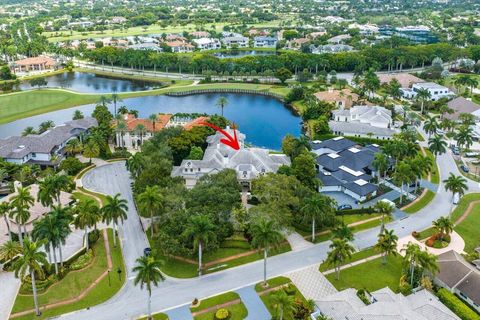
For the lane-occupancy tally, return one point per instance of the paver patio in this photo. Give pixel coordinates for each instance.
(312, 283)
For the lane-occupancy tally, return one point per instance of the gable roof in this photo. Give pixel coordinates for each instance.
(336, 144)
(461, 105)
(338, 95)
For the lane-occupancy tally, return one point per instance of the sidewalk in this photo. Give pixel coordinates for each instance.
(10, 287)
(456, 243)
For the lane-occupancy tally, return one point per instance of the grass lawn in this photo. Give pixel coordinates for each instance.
(99, 195)
(267, 300)
(355, 257)
(427, 233)
(420, 204)
(215, 300)
(352, 218)
(77, 281)
(357, 228)
(156, 316)
(371, 275)
(238, 312)
(435, 175)
(272, 283)
(468, 228)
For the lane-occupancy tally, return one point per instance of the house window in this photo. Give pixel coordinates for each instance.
(34, 155)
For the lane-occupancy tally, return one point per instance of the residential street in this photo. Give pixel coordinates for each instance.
(131, 302)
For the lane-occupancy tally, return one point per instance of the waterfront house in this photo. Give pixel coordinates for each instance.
(406, 80)
(178, 46)
(235, 40)
(343, 99)
(46, 149)
(248, 162)
(40, 63)
(207, 43)
(265, 42)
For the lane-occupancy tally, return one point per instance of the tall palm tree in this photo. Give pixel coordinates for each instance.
(428, 262)
(340, 250)
(151, 201)
(201, 231)
(464, 137)
(402, 176)
(437, 145)
(265, 234)
(342, 231)
(64, 219)
(51, 188)
(456, 185)
(284, 304)
(47, 230)
(222, 102)
(73, 147)
(422, 96)
(135, 164)
(387, 244)
(115, 98)
(9, 250)
(104, 100)
(5, 209)
(430, 126)
(121, 128)
(91, 150)
(30, 262)
(380, 163)
(21, 203)
(87, 215)
(148, 273)
(318, 208)
(385, 209)
(114, 211)
(412, 256)
(444, 226)
(140, 130)
(154, 118)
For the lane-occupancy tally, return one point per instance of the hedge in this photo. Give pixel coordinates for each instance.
(457, 305)
(366, 210)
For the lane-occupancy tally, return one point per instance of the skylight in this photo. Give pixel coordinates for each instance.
(352, 172)
(361, 182)
(337, 138)
(354, 150)
(333, 155)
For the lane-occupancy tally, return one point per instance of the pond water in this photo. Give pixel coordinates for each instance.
(264, 120)
(90, 83)
(243, 53)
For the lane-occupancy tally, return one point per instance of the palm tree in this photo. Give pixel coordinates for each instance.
(135, 164)
(412, 254)
(456, 185)
(5, 209)
(387, 244)
(444, 226)
(77, 114)
(113, 211)
(21, 203)
(9, 250)
(87, 216)
(73, 147)
(201, 231)
(30, 262)
(151, 201)
(148, 273)
(318, 208)
(284, 304)
(385, 209)
(340, 250)
(428, 263)
(51, 188)
(28, 130)
(437, 145)
(121, 128)
(430, 125)
(122, 110)
(115, 98)
(265, 234)
(44, 126)
(380, 163)
(342, 231)
(91, 150)
(422, 96)
(464, 137)
(140, 130)
(46, 229)
(154, 118)
(403, 175)
(104, 100)
(222, 102)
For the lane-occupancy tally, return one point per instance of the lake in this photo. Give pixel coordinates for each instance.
(264, 120)
(91, 83)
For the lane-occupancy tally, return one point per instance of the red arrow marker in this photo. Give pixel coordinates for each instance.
(230, 141)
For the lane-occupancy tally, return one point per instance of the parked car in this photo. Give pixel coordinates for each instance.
(440, 132)
(471, 154)
(465, 168)
(456, 198)
(456, 151)
(147, 251)
(344, 207)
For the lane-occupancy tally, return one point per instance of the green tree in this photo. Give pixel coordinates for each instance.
(464, 137)
(45, 125)
(87, 216)
(201, 231)
(222, 102)
(196, 153)
(104, 100)
(412, 255)
(114, 211)
(340, 250)
(151, 202)
(28, 131)
(30, 262)
(402, 176)
(431, 125)
(148, 273)
(318, 209)
(91, 150)
(77, 114)
(456, 185)
(283, 75)
(343, 232)
(284, 304)
(303, 167)
(385, 209)
(21, 203)
(381, 164)
(371, 82)
(422, 96)
(387, 244)
(115, 98)
(5, 209)
(437, 145)
(265, 234)
(444, 226)
(9, 250)
(135, 164)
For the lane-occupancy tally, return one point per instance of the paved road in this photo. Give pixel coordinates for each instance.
(130, 302)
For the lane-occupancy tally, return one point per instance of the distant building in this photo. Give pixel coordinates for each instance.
(296, 44)
(200, 34)
(416, 34)
(265, 42)
(39, 63)
(343, 99)
(331, 48)
(118, 20)
(365, 29)
(436, 91)
(238, 41)
(339, 39)
(180, 46)
(406, 80)
(146, 46)
(207, 43)
(46, 149)
(249, 163)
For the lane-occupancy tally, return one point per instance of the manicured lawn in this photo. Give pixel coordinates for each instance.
(352, 218)
(76, 282)
(238, 312)
(99, 195)
(421, 203)
(468, 229)
(357, 228)
(435, 175)
(272, 283)
(371, 275)
(427, 233)
(355, 257)
(267, 300)
(215, 300)
(156, 316)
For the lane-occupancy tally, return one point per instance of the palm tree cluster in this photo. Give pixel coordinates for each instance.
(456, 185)
(411, 170)
(418, 264)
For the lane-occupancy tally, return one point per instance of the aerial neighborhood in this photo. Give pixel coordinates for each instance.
(232, 160)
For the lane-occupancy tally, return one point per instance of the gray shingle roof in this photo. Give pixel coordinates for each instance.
(461, 105)
(359, 128)
(336, 144)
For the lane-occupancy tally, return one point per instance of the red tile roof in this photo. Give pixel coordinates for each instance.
(35, 60)
(194, 123)
(132, 122)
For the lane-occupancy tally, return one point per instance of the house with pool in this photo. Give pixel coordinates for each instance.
(346, 168)
(248, 162)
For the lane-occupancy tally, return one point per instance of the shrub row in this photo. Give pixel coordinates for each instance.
(82, 261)
(456, 305)
(367, 210)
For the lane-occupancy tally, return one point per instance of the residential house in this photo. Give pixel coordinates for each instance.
(363, 121)
(46, 149)
(343, 99)
(146, 46)
(330, 48)
(118, 20)
(180, 46)
(436, 91)
(365, 29)
(207, 43)
(461, 105)
(384, 305)
(265, 42)
(339, 39)
(186, 122)
(132, 137)
(345, 167)
(316, 34)
(459, 277)
(235, 40)
(249, 163)
(406, 80)
(296, 44)
(40, 63)
(200, 34)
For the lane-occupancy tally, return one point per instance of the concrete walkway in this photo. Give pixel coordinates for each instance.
(180, 313)
(253, 303)
(312, 283)
(456, 243)
(297, 242)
